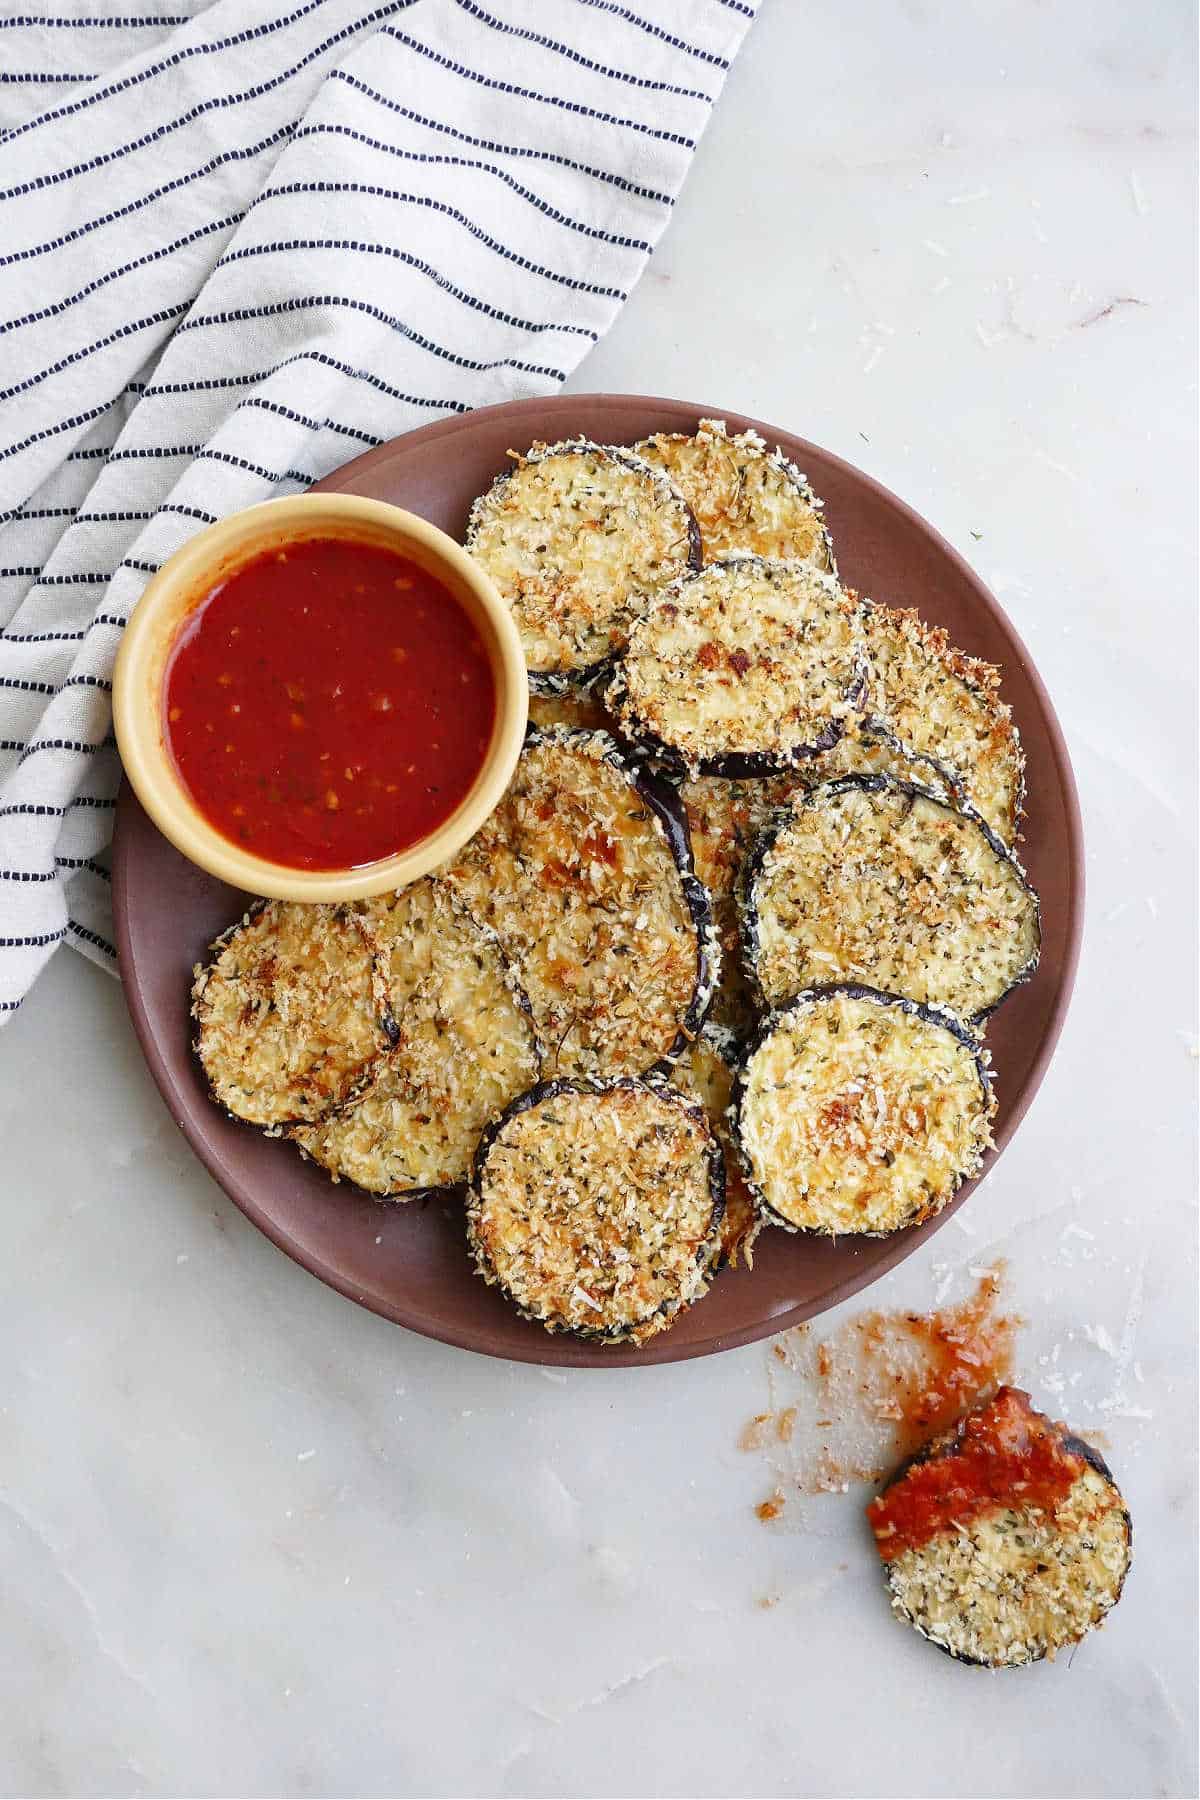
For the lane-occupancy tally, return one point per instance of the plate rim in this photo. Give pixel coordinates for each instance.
(560, 1350)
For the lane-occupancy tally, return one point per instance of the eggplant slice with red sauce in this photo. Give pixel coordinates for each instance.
(1005, 1539)
(597, 1207)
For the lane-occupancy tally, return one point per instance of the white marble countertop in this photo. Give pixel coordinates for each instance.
(256, 1541)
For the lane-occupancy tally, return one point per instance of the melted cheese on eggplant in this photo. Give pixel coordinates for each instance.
(1018, 1583)
(577, 538)
(290, 1014)
(596, 1211)
(465, 1048)
(939, 703)
(857, 1116)
(747, 657)
(888, 886)
(574, 873)
(743, 497)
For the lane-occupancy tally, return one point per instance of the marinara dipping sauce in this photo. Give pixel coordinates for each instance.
(329, 704)
(1006, 1455)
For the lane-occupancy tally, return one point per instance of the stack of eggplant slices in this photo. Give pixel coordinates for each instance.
(723, 955)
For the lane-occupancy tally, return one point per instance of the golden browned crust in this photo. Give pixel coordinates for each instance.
(290, 1013)
(743, 496)
(578, 877)
(938, 702)
(577, 537)
(465, 1047)
(875, 880)
(596, 1207)
(861, 1113)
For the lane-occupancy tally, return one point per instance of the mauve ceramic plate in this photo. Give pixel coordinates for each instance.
(409, 1262)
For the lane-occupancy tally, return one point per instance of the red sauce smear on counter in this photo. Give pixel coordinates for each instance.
(329, 704)
(1007, 1454)
(963, 1353)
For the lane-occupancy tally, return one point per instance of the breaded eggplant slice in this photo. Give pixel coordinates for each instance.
(705, 1072)
(584, 872)
(578, 537)
(862, 751)
(725, 820)
(874, 880)
(743, 496)
(465, 1047)
(859, 1112)
(597, 1207)
(1005, 1539)
(934, 701)
(747, 668)
(290, 1013)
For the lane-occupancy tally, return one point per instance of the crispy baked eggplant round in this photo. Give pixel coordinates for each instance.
(1004, 1540)
(584, 872)
(291, 1013)
(860, 1113)
(746, 668)
(933, 701)
(578, 537)
(465, 1046)
(743, 496)
(596, 1206)
(875, 880)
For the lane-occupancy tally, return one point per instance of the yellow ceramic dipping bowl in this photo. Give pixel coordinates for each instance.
(211, 557)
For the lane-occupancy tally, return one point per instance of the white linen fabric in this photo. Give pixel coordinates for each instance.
(241, 242)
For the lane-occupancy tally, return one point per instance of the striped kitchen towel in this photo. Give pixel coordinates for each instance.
(240, 242)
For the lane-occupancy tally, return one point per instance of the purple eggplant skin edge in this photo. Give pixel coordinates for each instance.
(555, 683)
(665, 803)
(795, 477)
(747, 909)
(446, 1190)
(852, 990)
(957, 781)
(708, 1253)
(944, 1444)
(386, 1020)
(730, 765)
(286, 1128)
(743, 765)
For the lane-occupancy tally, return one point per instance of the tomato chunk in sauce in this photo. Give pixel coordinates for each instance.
(329, 704)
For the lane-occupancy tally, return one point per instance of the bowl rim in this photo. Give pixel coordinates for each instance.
(188, 575)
